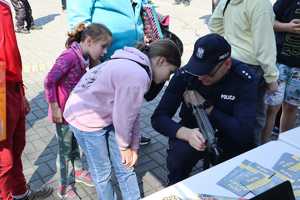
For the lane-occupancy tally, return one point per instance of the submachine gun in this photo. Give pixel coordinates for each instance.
(192, 99)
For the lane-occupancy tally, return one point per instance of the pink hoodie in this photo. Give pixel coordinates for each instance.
(111, 93)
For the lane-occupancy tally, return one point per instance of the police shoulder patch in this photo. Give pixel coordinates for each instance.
(243, 72)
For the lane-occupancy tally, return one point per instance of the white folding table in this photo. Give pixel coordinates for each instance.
(205, 182)
(291, 137)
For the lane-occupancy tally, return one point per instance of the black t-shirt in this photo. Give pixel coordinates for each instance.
(288, 44)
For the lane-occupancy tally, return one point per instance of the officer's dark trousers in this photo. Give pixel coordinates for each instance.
(23, 13)
(181, 159)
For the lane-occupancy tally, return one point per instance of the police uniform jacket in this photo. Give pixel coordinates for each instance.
(233, 115)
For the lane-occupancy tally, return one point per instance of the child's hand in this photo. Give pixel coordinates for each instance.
(294, 26)
(272, 87)
(129, 157)
(56, 113)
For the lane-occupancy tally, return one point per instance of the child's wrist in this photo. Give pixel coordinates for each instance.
(124, 148)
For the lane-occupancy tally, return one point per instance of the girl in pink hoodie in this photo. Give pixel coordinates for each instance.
(85, 46)
(103, 112)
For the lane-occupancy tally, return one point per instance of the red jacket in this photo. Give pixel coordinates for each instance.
(9, 52)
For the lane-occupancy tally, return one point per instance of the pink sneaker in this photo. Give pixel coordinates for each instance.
(83, 176)
(67, 193)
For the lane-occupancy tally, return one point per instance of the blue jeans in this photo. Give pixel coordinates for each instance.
(103, 153)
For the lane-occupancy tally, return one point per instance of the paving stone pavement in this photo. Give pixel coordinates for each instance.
(39, 50)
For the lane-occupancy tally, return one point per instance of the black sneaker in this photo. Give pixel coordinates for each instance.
(145, 140)
(22, 30)
(42, 193)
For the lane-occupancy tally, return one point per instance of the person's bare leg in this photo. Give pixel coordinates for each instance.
(270, 121)
(288, 117)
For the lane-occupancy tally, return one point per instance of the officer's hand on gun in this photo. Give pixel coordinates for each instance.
(193, 136)
(196, 139)
(198, 104)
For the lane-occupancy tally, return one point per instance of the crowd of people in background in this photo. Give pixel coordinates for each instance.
(244, 71)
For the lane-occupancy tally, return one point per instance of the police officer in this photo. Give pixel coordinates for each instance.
(229, 89)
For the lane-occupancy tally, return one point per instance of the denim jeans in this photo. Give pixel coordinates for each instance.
(103, 153)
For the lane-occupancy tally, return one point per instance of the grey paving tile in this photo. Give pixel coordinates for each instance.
(35, 184)
(48, 179)
(29, 148)
(44, 171)
(159, 158)
(28, 172)
(35, 177)
(152, 180)
(46, 158)
(161, 174)
(39, 145)
(143, 160)
(80, 191)
(26, 163)
(152, 133)
(153, 147)
(161, 138)
(143, 169)
(44, 132)
(32, 138)
(145, 188)
(31, 116)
